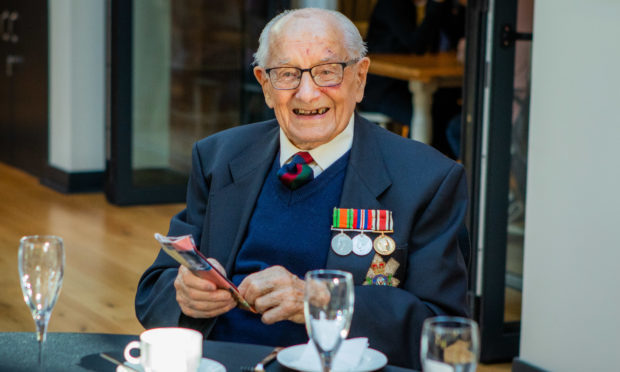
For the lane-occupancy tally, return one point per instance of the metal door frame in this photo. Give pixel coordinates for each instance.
(487, 128)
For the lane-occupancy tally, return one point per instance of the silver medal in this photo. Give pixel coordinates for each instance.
(362, 244)
(342, 244)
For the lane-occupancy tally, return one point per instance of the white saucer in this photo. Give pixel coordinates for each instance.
(206, 365)
(372, 360)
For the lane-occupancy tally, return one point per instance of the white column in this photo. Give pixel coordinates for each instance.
(77, 85)
(571, 301)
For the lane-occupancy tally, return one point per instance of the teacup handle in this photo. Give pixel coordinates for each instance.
(128, 357)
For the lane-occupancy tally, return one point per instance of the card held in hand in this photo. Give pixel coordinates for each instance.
(183, 250)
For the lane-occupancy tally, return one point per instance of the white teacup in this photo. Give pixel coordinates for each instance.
(167, 350)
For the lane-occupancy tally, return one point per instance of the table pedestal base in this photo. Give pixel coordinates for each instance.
(422, 120)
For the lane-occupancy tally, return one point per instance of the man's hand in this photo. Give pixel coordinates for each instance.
(276, 294)
(200, 298)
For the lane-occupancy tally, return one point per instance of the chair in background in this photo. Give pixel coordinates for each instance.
(386, 122)
(376, 117)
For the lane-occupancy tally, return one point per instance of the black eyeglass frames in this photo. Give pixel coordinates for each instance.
(323, 75)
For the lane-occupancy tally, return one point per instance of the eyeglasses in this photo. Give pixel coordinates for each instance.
(323, 75)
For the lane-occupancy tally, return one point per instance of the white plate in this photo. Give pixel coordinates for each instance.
(206, 365)
(372, 360)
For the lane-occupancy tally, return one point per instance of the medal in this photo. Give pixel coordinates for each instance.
(342, 244)
(384, 245)
(362, 245)
(342, 220)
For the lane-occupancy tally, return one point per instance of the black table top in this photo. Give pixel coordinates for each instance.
(80, 352)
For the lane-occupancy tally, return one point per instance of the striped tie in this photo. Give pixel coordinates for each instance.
(297, 173)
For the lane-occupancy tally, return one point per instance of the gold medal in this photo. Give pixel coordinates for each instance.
(384, 245)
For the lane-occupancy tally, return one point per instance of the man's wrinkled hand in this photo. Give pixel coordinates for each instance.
(200, 298)
(276, 294)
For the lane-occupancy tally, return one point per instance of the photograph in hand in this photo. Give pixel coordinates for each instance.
(183, 250)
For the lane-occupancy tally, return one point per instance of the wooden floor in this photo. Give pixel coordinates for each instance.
(107, 248)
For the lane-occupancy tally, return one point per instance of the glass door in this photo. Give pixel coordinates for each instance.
(178, 72)
(496, 107)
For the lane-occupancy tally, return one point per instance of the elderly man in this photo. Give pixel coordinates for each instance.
(249, 210)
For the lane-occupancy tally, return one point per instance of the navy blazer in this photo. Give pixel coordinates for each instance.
(425, 191)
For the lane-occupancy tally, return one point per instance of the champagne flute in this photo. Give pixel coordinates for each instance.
(328, 309)
(41, 261)
(450, 343)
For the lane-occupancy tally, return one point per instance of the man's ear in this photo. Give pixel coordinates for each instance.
(261, 76)
(360, 76)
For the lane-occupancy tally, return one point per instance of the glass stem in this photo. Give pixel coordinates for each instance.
(41, 356)
(41, 322)
(326, 360)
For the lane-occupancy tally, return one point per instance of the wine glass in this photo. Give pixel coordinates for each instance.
(328, 309)
(41, 262)
(450, 343)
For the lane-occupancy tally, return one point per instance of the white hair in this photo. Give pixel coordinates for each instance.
(352, 40)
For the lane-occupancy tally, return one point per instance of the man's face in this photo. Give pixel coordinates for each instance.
(311, 115)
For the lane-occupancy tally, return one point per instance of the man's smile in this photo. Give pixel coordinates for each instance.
(319, 111)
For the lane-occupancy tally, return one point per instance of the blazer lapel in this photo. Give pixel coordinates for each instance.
(230, 207)
(366, 179)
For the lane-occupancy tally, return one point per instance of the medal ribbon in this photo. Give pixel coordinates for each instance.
(383, 220)
(374, 220)
(343, 218)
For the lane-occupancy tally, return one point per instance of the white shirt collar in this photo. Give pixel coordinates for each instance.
(324, 155)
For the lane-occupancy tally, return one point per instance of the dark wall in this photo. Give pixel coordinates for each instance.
(24, 84)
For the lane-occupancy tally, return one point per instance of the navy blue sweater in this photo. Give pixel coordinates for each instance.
(289, 228)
